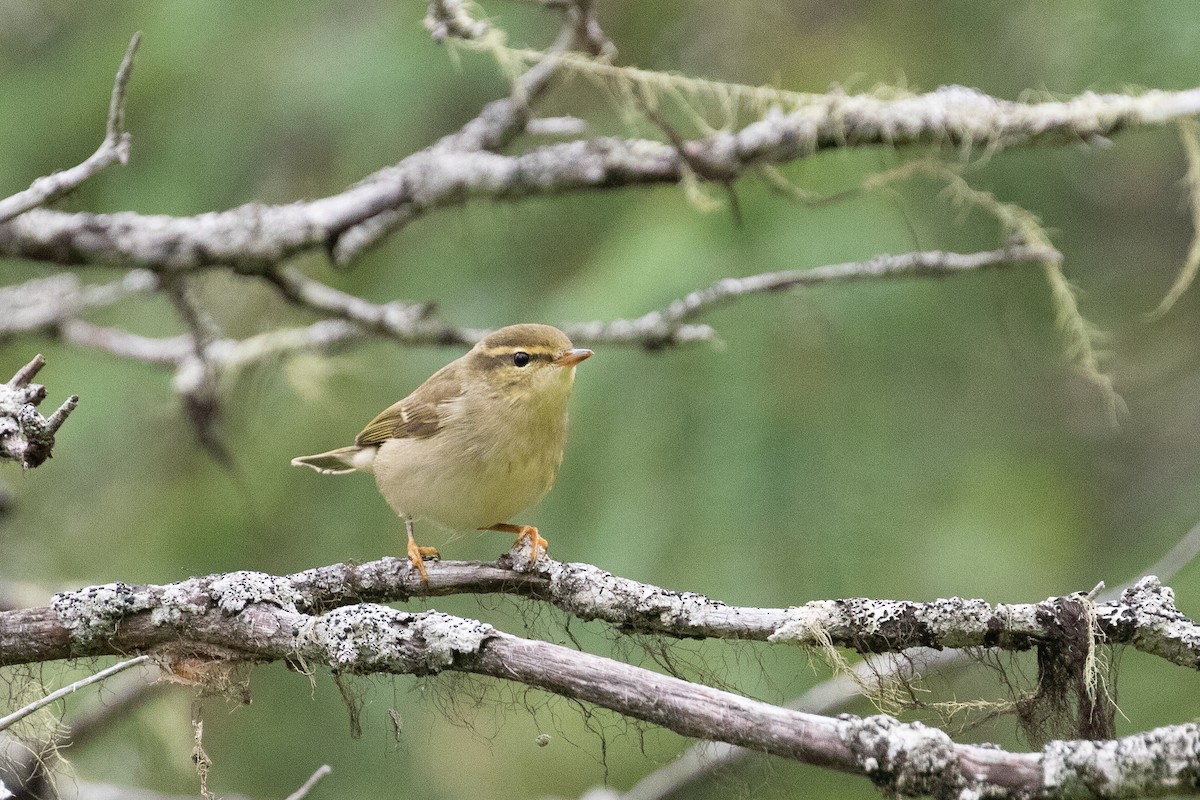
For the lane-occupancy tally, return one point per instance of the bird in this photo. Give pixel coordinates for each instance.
(480, 441)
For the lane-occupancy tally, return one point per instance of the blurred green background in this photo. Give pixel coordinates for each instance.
(909, 439)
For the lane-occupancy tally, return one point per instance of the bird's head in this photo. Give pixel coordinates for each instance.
(526, 361)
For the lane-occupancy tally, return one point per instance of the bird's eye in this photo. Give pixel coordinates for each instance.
(520, 358)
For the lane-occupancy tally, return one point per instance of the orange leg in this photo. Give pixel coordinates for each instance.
(523, 532)
(415, 551)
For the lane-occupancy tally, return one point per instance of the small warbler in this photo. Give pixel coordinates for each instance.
(477, 443)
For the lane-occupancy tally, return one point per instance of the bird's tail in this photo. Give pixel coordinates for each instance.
(340, 461)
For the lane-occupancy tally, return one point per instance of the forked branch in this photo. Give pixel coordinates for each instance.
(255, 617)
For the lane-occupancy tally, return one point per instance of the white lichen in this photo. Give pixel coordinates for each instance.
(367, 637)
(92, 613)
(236, 590)
(178, 602)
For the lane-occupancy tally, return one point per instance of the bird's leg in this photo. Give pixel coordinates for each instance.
(415, 551)
(523, 532)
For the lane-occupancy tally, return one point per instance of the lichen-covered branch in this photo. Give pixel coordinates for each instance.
(253, 238)
(27, 437)
(1145, 615)
(254, 617)
(677, 778)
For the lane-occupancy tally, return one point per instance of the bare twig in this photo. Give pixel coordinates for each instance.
(669, 325)
(116, 701)
(307, 786)
(196, 377)
(356, 318)
(53, 697)
(169, 351)
(27, 373)
(403, 321)
(42, 304)
(114, 148)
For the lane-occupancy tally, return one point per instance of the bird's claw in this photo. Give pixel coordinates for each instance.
(418, 554)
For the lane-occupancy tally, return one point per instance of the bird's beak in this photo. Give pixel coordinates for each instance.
(572, 357)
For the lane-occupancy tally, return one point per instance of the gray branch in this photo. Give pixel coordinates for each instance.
(53, 305)
(114, 148)
(255, 617)
(1144, 616)
(254, 238)
(671, 326)
(705, 758)
(25, 435)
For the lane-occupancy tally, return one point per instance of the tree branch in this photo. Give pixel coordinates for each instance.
(25, 435)
(253, 238)
(43, 304)
(703, 759)
(250, 616)
(669, 326)
(21, 713)
(114, 148)
(52, 305)
(86, 622)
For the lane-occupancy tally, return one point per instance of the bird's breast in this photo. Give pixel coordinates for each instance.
(478, 469)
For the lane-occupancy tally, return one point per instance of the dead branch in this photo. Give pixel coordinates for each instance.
(253, 238)
(85, 622)
(836, 693)
(254, 617)
(25, 435)
(114, 148)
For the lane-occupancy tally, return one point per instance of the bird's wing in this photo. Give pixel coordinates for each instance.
(415, 417)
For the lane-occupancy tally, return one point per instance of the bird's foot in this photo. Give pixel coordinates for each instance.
(417, 554)
(536, 542)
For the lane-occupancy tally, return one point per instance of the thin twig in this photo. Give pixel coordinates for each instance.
(55, 420)
(307, 786)
(669, 326)
(402, 321)
(114, 148)
(112, 704)
(22, 713)
(412, 324)
(42, 304)
(25, 374)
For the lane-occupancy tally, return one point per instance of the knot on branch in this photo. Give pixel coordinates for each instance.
(367, 638)
(904, 758)
(25, 435)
